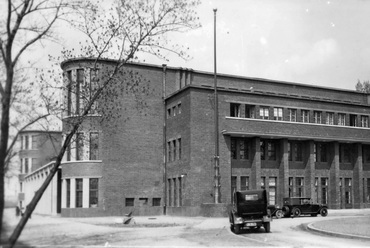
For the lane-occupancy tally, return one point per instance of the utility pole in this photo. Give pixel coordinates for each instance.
(217, 155)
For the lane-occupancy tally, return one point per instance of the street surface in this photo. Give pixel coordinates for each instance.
(170, 231)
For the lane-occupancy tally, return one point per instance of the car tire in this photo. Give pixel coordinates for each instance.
(296, 212)
(324, 212)
(279, 214)
(237, 229)
(266, 225)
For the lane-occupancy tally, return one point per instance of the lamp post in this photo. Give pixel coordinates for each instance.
(217, 156)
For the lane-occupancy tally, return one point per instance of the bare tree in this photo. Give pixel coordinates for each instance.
(124, 32)
(26, 23)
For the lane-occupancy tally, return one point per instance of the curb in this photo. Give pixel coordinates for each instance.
(336, 234)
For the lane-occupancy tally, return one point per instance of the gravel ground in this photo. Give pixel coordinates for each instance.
(350, 225)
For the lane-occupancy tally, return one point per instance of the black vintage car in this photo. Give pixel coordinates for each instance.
(249, 211)
(297, 206)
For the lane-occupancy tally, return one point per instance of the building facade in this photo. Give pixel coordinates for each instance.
(148, 144)
(38, 150)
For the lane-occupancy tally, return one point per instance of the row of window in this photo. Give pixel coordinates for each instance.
(143, 201)
(27, 163)
(269, 149)
(174, 110)
(93, 200)
(174, 192)
(28, 142)
(174, 150)
(81, 85)
(84, 147)
(297, 188)
(298, 115)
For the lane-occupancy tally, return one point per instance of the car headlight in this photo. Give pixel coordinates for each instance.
(238, 220)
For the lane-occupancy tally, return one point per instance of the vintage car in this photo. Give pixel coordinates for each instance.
(297, 206)
(276, 211)
(249, 210)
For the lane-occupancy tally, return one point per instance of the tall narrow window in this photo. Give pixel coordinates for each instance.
(244, 183)
(278, 114)
(79, 146)
(33, 142)
(348, 190)
(179, 108)
(68, 193)
(234, 110)
(353, 120)
(243, 149)
(69, 93)
(180, 191)
(175, 198)
(324, 190)
(323, 152)
(271, 150)
(263, 182)
(94, 85)
(292, 115)
(298, 151)
(250, 111)
(305, 116)
(169, 192)
(272, 190)
(79, 86)
(317, 115)
(263, 149)
(233, 184)
(264, 113)
(341, 119)
(364, 121)
(233, 148)
(174, 149)
(79, 192)
(329, 118)
(368, 191)
(290, 182)
(94, 146)
(180, 148)
(299, 186)
(290, 151)
(94, 192)
(26, 166)
(317, 189)
(169, 151)
(27, 142)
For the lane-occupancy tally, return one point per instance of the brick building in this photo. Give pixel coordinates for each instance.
(153, 153)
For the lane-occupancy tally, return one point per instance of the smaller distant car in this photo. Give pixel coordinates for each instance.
(276, 211)
(297, 206)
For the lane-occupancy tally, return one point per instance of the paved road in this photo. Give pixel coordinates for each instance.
(169, 231)
(290, 232)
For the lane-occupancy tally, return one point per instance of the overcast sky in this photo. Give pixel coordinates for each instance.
(317, 42)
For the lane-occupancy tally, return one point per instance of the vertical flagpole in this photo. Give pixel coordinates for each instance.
(217, 157)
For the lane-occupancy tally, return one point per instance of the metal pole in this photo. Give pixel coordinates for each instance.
(217, 157)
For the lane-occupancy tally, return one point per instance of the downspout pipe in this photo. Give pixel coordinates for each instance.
(164, 72)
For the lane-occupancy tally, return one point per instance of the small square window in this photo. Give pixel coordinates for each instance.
(156, 202)
(130, 202)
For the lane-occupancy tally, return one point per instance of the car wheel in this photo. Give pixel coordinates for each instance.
(279, 214)
(267, 226)
(296, 212)
(237, 229)
(324, 212)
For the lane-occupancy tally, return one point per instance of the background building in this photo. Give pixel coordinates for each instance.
(37, 151)
(148, 144)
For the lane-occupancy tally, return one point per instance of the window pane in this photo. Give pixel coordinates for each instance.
(94, 146)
